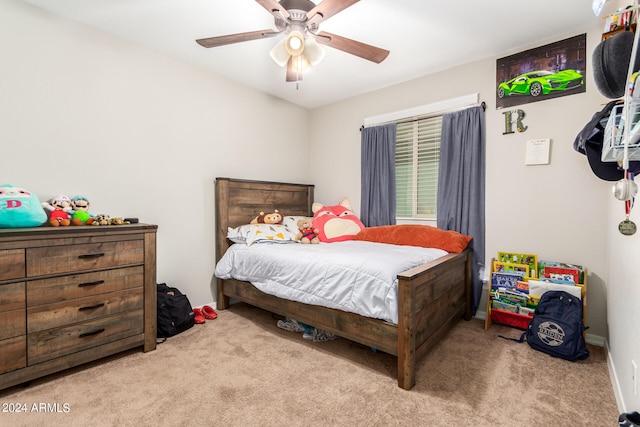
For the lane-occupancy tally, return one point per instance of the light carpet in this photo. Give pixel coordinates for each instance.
(241, 370)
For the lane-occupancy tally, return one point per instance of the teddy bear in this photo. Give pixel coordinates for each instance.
(101, 219)
(59, 208)
(80, 211)
(118, 221)
(307, 234)
(274, 217)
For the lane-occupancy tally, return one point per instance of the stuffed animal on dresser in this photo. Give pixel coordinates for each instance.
(101, 219)
(59, 208)
(81, 215)
(20, 208)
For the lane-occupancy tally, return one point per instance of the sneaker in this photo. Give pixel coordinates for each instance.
(289, 325)
(630, 419)
(319, 335)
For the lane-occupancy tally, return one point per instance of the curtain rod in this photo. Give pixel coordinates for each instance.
(438, 113)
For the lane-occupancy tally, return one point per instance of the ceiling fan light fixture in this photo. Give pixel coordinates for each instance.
(294, 43)
(279, 53)
(301, 64)
(313, 51)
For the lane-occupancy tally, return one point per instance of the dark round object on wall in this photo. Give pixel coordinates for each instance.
(611, 64)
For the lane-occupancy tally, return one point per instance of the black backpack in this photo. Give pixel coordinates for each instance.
(174, 313)
(556, 327)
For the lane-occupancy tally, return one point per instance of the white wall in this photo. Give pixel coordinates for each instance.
(623, 304)
(139, 134)
(623, 296)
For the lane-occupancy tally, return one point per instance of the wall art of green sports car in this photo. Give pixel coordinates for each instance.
(543, 73)
(541, 82)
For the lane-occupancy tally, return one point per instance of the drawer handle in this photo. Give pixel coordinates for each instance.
(89, 256)
(88, 334)
(91, 307)
(97, 282)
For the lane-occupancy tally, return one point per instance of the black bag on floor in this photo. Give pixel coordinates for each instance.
(175, 313)
(556, 327)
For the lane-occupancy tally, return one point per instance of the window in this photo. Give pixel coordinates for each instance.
(418, 153)
(417, 159)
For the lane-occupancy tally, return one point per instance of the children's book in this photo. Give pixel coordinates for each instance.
(509, 267)
(504, 280)
(542, 264)
(562, 273)
(516, 258)
(522, 286)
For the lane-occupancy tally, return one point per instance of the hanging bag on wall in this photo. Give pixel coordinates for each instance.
(174, 312)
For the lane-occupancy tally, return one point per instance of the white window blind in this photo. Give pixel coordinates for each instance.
(417, 159)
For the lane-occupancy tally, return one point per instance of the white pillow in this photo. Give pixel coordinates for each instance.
(255, 233)
(291, 222)
(238, 234)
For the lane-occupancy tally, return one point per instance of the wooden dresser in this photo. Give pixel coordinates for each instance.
(70, 295)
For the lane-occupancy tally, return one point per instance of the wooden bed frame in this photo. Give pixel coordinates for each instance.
(431, 297)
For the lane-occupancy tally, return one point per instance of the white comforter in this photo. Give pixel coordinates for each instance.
(355, 276)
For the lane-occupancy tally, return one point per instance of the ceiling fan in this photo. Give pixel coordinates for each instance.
(300, 21)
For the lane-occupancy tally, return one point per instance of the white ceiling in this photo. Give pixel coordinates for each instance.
(424, 36)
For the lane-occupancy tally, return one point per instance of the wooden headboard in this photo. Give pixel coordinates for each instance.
(239, 201)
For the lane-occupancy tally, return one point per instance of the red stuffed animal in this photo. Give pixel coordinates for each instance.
(336, 223)
(59, 208)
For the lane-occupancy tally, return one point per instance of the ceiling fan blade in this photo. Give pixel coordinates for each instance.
(327, 9)
(363, 50)
(274, 8)
(292, 74)
(236, 38)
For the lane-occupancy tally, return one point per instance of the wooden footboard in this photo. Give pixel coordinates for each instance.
(431, 297)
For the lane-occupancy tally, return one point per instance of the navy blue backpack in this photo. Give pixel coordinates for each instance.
(556, 327)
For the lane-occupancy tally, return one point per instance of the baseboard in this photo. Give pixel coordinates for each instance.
(596, 340)
(617, 391)
(589, 338)
(211, 304)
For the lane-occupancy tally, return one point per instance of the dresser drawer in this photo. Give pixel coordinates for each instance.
(12, 264)
(65, 313)
(64, 288)
(13, 354)
(12, 323)
(70, 258)
(12, 297)
(52, 343)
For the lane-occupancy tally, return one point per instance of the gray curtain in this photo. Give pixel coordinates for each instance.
(378, 180)
(461, 181)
